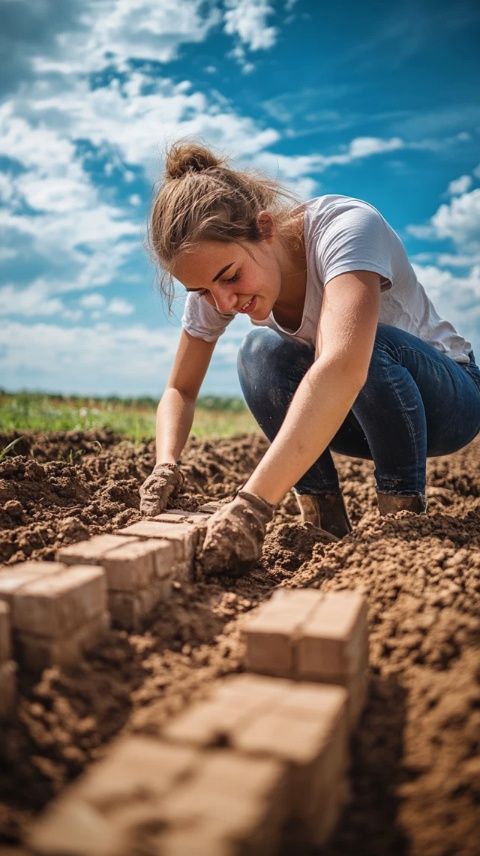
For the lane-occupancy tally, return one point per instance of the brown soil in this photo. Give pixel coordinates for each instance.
(416, 759)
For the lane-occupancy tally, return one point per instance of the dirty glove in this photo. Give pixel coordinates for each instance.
(157, 488)
(234, 535)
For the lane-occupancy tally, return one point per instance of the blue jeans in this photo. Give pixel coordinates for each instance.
(416, 403)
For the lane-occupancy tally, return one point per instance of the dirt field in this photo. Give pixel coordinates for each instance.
(416, 759)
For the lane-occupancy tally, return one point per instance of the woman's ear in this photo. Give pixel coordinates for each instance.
(266, 224)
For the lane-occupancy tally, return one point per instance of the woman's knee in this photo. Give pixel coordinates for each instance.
(264, 355)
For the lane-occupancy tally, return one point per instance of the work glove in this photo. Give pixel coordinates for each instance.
(233, 536)
(158, 487)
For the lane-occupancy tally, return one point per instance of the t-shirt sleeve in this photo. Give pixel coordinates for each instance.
(356, 239)
(202, 320)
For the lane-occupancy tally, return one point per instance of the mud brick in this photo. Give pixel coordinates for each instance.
(38, 652)
(186, 842)
(8, 688)
(357, 691)
(129, 609)
(136, 565)
(5, 644)
(92, 551)
(93, 816)
(322, 824)
(234, 799)
(271, 631)
(242, 689)
(334, 640)
(58, 603)
(13, 577)
(233, 703)
(313, 743)
(181, 535)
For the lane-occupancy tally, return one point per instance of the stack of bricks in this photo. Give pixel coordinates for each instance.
(56, 612)
(151, 797)
(140, 563)
(263, 761)
(7, 666)
(302, 726)
(308, 635)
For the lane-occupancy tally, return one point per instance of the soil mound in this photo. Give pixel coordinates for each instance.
(415, 773)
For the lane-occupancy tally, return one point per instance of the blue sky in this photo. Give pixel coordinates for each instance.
(370, 100)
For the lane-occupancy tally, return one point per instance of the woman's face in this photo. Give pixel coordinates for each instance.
(229, 278)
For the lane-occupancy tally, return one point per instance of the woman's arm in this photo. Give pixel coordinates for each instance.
(177, 406)
(345, 338)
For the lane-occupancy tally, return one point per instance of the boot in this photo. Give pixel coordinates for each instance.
(326, 511)
(389, 503)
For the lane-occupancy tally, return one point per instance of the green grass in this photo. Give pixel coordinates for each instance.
(134, 418)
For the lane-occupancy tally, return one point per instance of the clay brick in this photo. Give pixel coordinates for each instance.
(8, 688)
(97, 815)
(356, 686)
(334, 640)
(39, 652)
(315, 746)
(181, 535)
(271, 631)
(58, 603)
(245, 687)
(135, 565)
(92, 551)
(187, 842)
(233, 703)
(234, 799)
(5, 631)
(130, 609)
(13, 577)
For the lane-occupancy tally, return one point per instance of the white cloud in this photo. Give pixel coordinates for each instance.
(460, 185)
(30, 301)
(118, 306)
(247, 19)
(456, 298)
(98, 359)
(458, 221)
(118, 30)
(92, 301)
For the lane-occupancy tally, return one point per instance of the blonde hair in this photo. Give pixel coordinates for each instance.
(200, 198)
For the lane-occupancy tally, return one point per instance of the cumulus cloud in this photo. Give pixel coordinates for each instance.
(456, 298)
(460, 185)
(118, 306)
(457, 220)
(247, 19)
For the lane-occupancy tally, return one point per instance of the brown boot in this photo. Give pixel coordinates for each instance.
(325, 510)
(389, 503)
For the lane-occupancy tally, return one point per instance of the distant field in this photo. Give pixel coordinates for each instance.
(215, 416)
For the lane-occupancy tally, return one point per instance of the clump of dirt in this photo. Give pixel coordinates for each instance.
(415, 771)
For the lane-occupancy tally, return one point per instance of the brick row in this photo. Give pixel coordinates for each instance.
(55, 612)
(309, 635)
(151, 797)
(303, 726)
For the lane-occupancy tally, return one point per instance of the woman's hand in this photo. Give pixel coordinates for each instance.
(234, 535)
(158, 487)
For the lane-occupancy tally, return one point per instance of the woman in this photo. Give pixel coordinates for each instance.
(347, 351)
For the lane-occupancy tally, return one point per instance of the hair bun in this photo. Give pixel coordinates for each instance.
(189, 157)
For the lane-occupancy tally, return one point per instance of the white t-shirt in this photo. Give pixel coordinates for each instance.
(344, 234)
